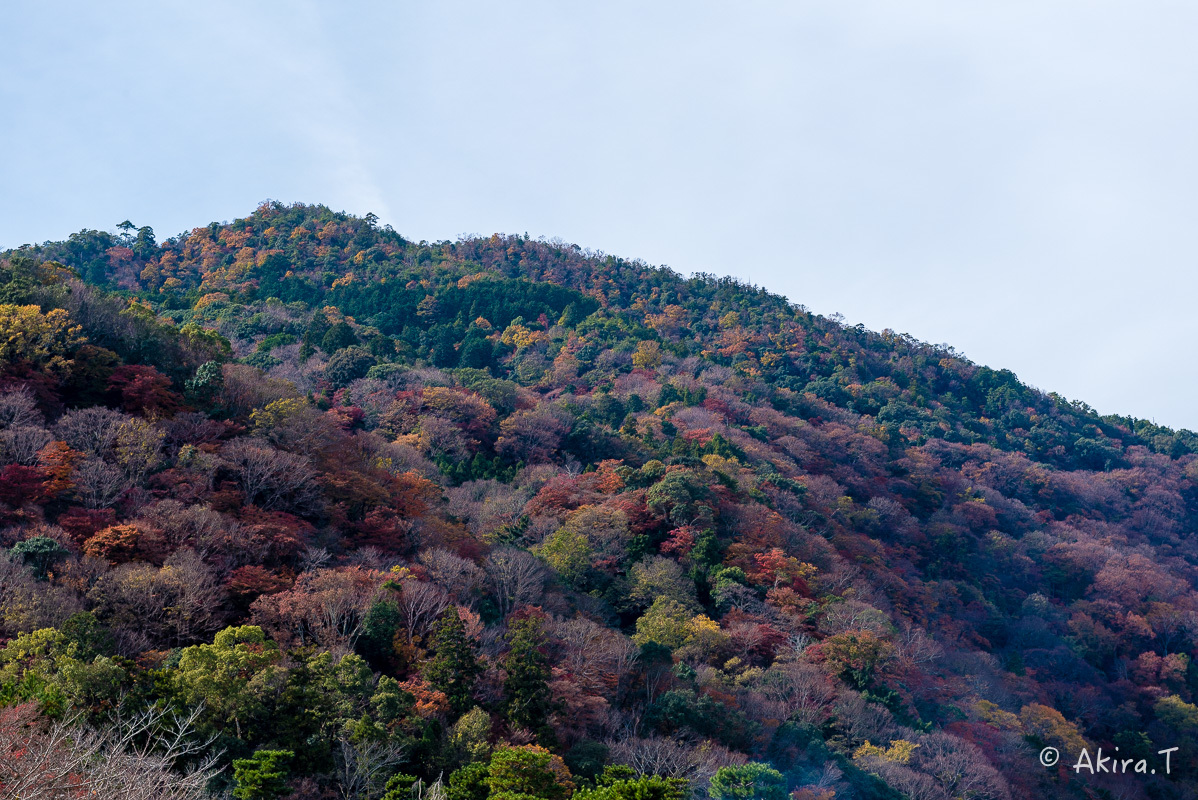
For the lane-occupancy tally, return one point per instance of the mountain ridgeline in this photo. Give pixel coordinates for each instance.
(296, 507)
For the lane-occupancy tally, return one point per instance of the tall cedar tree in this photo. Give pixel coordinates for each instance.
(453, 667)
(526, 685)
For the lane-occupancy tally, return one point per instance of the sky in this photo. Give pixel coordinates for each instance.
(1016, 179)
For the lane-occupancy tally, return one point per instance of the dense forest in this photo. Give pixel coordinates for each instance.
(296, 507)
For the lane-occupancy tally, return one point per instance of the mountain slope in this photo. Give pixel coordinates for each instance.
(671, 523)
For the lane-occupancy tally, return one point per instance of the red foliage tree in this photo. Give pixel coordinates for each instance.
(82, 523)
(280, 535)
(247, 583)
(19, 485)
(116, 543)
(143, 390)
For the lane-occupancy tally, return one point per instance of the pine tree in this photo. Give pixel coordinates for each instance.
(263, 776)
(529, 699)
(453, 667)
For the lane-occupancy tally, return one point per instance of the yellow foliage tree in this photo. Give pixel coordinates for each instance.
(1048, 725)
(45, 339)
(899, 752)
(647, 355)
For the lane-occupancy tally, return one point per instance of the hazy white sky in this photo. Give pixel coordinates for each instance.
(1017, 179)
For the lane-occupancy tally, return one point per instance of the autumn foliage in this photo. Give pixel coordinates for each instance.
(503, 518)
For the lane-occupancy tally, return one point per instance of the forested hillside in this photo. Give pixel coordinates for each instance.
(296, 507)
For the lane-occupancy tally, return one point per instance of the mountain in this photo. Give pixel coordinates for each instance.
(503, 517)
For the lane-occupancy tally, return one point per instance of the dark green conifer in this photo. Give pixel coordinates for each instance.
(453, 667)
(526, 685)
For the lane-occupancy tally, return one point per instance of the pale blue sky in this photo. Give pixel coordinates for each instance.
(1017, 179)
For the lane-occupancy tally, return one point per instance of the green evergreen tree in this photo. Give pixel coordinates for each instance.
(205, 386)
(40, 554)
(469, 782)
(528, 772)
(399, 787)
(526, 685)
(453, 667)
(621, 783)
(337, 337)
(752, 781)
(347, 365)
(263, 776)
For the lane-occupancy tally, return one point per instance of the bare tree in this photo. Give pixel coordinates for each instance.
(960, 767)
(657, 576)
(198, 527)
(915, 647)
(908, 782)
(797, 691)
(486, 506)
(194, 428)
(862, 721)
(151, 755)
(853, 614)
(98, 484)
(91, 430)
(26, 603)
(327, 608)
(246, 389)
(596, 657)
(534, 435)
(459, 576)
(363, 768)
(138, 448)
(18, 409)
(517, 578)
(420, 604)
(176, 605)
(673, 757)
(314, 558)
(20, 444)
(271, 478)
